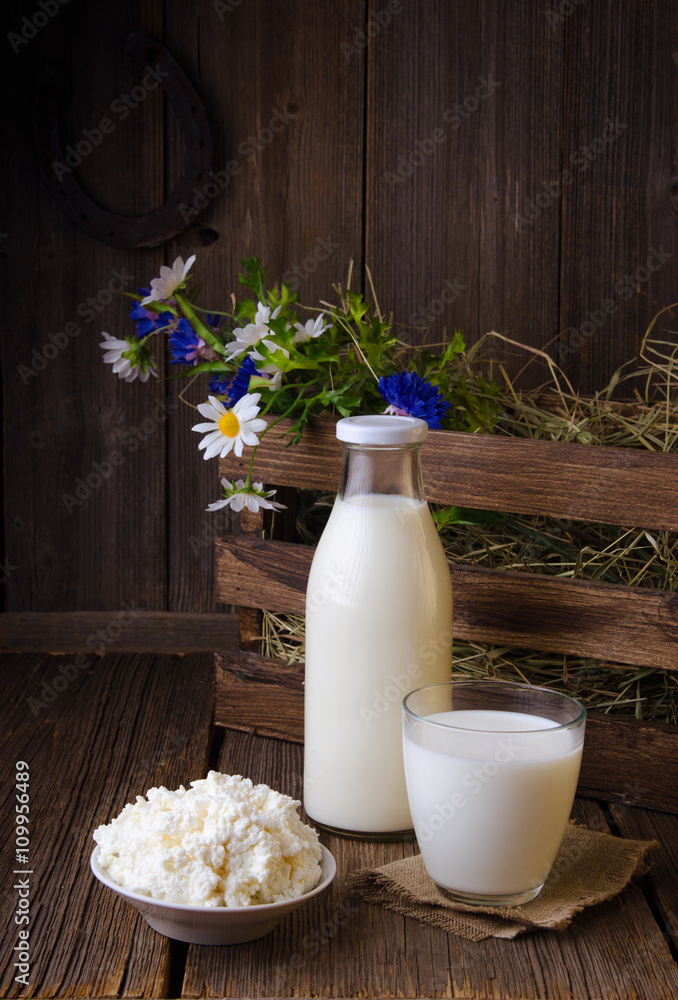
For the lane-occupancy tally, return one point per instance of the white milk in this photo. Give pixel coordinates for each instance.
(490, 808)
(378, 625)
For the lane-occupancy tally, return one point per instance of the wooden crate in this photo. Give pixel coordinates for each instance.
(625, 760)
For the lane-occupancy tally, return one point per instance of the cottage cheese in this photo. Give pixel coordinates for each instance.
(224, 842)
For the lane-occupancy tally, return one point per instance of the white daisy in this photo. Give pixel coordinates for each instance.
(125, 368)
(250, 335)
(237, 497)
(230, 428)
(311, 328)
(170, 279)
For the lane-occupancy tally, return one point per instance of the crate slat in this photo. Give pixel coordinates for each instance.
(628, 625)
(622, 486)
(258, 694)
(620, 759)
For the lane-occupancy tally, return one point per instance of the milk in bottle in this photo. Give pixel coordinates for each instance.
(378, 625)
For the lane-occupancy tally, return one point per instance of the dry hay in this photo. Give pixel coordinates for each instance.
(572, 549)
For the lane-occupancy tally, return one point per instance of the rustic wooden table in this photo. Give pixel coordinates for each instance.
(95, 738)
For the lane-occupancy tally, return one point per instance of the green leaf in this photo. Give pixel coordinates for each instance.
(357, 306)
(341, 398)
(446, 516)
(319, 352)
(259, 382)
(254, 276)
(284, 298)
(287, 364)
(456, 346)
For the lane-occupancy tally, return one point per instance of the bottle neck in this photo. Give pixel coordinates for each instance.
(382, 469)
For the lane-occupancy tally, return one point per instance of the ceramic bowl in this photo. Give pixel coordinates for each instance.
(215, 924)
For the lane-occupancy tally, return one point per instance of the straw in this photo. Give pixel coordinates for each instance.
(568, 549)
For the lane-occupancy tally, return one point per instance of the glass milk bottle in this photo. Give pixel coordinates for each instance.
(378, 625)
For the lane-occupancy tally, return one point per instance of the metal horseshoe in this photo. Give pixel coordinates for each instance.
(128, 232)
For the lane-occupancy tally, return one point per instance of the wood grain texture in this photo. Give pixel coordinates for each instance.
(249, 618)
(259, 695)
(613, 485)
(339, 946)
(74, 412)
(358, 114)
(490, 80)
(619, 240)
(134, 721)
(101, 741)
(265, 696)
(621, 762)
(662, 884)
(307, 201)
(147, 631)
(631, 625)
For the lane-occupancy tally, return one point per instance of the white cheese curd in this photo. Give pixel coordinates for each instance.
(222, 842)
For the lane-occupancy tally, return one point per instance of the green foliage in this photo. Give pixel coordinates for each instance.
(446, 516)
(339, 370)
(253, 277)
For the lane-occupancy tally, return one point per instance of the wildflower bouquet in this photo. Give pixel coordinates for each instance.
(264, 363)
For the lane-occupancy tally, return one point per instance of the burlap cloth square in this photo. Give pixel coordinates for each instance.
(590, 867)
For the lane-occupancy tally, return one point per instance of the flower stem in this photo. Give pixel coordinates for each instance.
(213, 312)
(361, 353)
(248, 481)
(203, 331)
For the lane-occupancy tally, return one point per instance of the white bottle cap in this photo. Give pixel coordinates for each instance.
(381, 428)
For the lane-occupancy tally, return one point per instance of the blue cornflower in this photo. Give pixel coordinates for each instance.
(146, 320)
(410, 395)
(185, 344)
(234, 385)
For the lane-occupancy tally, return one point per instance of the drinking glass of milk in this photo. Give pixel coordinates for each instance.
(378, 624)
(492, 769)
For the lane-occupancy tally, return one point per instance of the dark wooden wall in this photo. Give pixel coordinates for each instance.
(519, 201)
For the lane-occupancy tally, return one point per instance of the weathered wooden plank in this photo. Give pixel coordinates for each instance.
(106, 736)
(259, 695)
(284, 578)
(339, 946)
(97, 631)
(451, 165)
(661, 883)
(249, 618)
(83, 433)
(613, 485)
(619, 241)
(620, 762)
(265, 696)
(630, 625)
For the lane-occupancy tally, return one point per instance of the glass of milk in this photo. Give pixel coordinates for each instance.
(491, 770)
